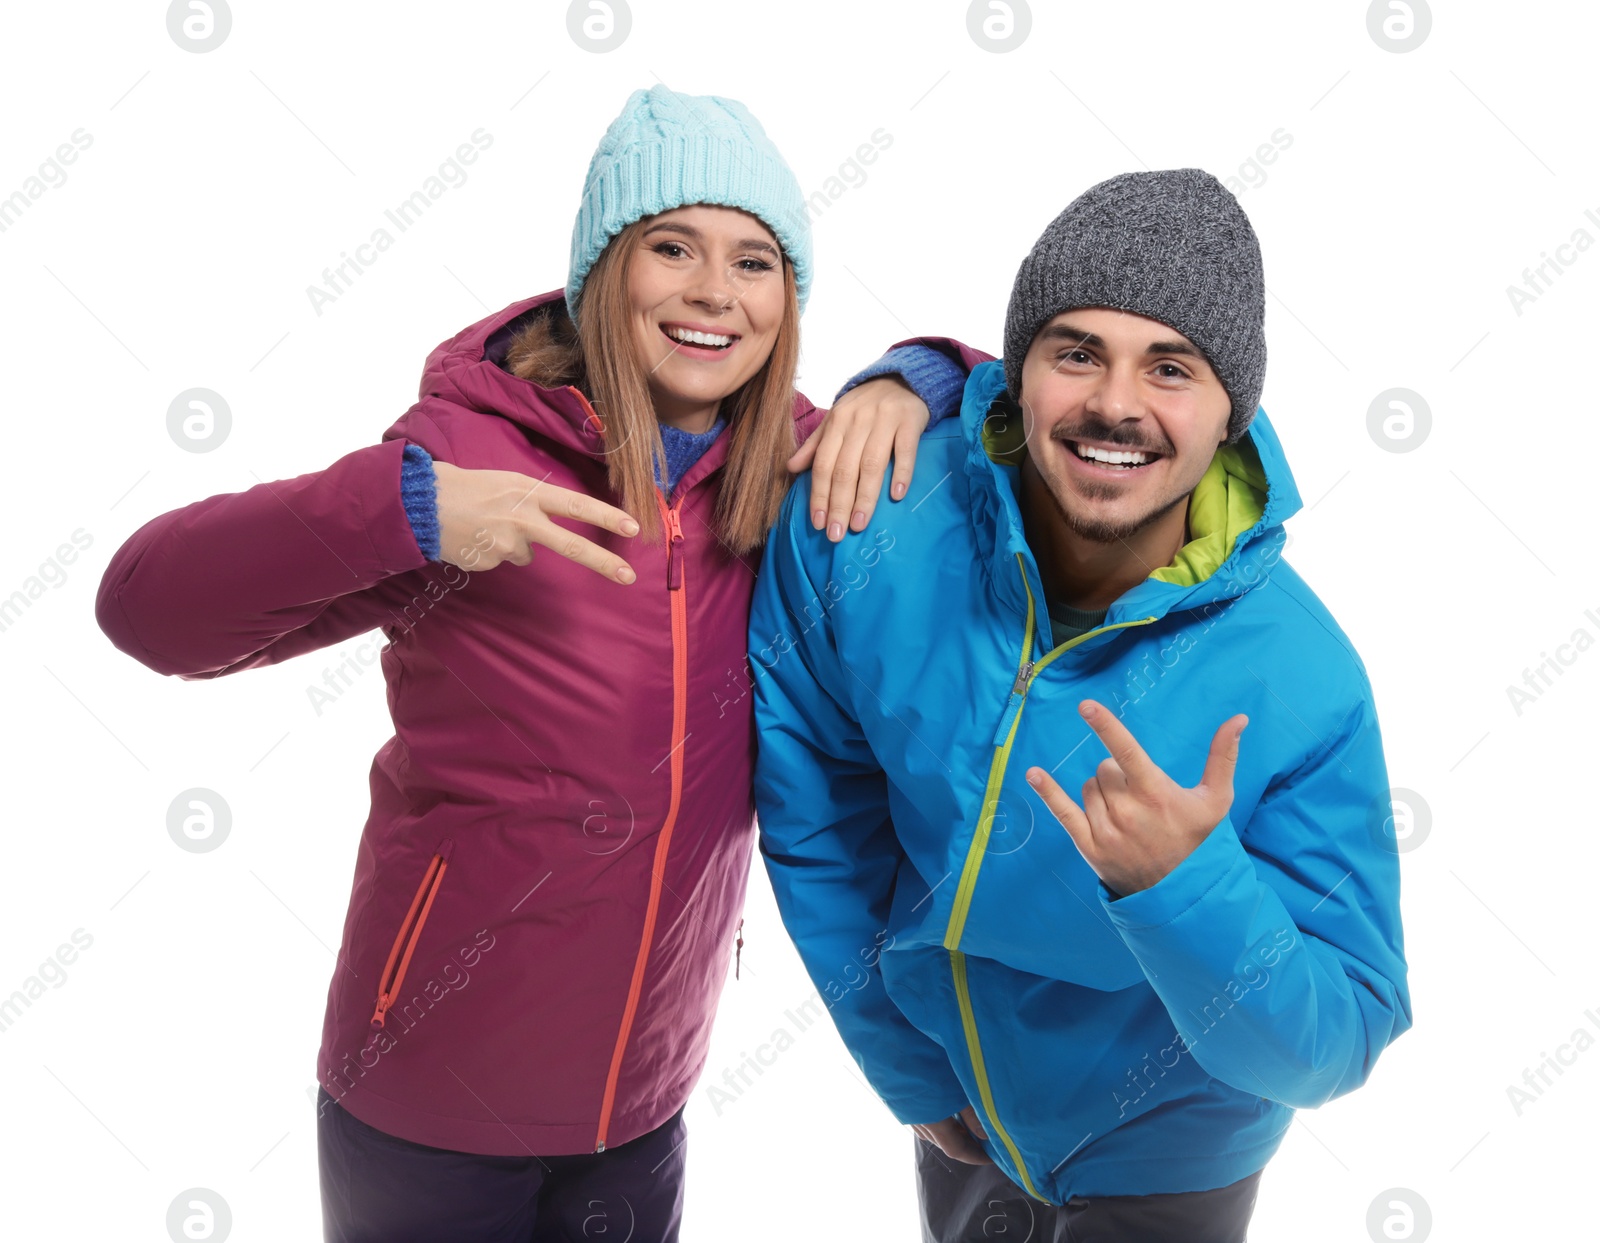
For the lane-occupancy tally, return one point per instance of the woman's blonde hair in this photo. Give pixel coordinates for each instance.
(597, 356)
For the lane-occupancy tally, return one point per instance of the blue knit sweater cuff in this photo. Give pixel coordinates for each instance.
(417, 491)
(932, 375)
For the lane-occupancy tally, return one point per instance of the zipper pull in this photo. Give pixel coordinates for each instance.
(674, 556)
(737, 946)
(1019, 691)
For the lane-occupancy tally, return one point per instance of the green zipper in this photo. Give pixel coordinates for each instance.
(1005, 734)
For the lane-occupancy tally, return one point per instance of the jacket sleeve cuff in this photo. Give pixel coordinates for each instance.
(931, 374)
(418, 493)
(928, 1106)
(1210, 863)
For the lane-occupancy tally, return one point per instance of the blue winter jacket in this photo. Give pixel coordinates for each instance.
(1156, 1042)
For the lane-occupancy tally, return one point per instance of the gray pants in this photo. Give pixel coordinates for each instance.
(978, 1204)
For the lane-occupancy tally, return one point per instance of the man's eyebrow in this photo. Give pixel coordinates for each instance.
(1066, 332)
(1174, 347)
(689, 231)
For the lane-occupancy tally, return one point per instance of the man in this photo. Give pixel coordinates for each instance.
(1102, 1010)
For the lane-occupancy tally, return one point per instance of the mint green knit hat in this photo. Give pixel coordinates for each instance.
(669, 150)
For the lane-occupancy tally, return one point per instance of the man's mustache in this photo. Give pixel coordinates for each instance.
(1106, 434)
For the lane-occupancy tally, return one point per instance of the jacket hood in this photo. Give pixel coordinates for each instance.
(467, 371)
(1236, 513)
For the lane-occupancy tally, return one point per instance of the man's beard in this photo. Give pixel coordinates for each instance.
(1098, 531)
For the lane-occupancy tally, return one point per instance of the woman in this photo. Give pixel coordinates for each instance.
(548, 887)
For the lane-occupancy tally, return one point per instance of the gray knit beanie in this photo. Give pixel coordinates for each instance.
(1171, 245)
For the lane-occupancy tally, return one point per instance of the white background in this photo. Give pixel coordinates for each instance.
(1417, 187)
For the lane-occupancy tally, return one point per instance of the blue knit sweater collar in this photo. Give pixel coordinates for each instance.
(684, 449)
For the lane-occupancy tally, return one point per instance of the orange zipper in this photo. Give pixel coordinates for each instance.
(405, 940)
(589, 414)
(680, 716)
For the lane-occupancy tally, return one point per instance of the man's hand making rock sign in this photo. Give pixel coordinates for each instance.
(1136, 823)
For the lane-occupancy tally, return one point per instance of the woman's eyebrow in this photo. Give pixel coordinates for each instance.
(670, 226)
(689, 231)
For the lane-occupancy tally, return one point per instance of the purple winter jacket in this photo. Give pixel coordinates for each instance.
(548, 883)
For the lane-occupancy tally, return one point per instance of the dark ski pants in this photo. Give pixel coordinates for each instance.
(978, 1203)
(377, 1188)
